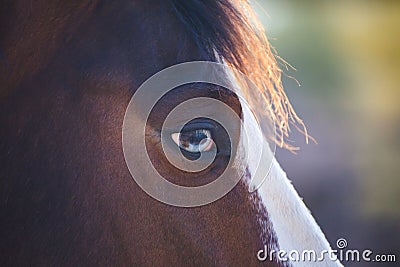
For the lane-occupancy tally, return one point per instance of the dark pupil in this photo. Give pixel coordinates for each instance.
(192, 138)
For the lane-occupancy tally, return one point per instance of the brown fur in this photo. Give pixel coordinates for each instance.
(68, 70)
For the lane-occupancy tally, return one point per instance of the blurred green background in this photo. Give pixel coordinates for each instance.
(347, 60)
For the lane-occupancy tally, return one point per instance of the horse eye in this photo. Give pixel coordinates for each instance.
(195, 141)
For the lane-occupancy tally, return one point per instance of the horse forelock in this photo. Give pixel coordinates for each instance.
(233, 31)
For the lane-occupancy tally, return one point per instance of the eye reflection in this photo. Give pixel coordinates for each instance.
(194, 141)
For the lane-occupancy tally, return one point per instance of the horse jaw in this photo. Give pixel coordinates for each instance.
(292, 222)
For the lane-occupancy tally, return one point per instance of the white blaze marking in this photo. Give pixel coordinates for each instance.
(292, 222)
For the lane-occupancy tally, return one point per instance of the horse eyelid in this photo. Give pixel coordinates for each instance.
(190, 127)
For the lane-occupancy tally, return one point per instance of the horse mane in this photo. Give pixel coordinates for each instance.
(230, 31)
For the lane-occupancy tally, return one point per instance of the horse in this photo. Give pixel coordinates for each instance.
(68, 71)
